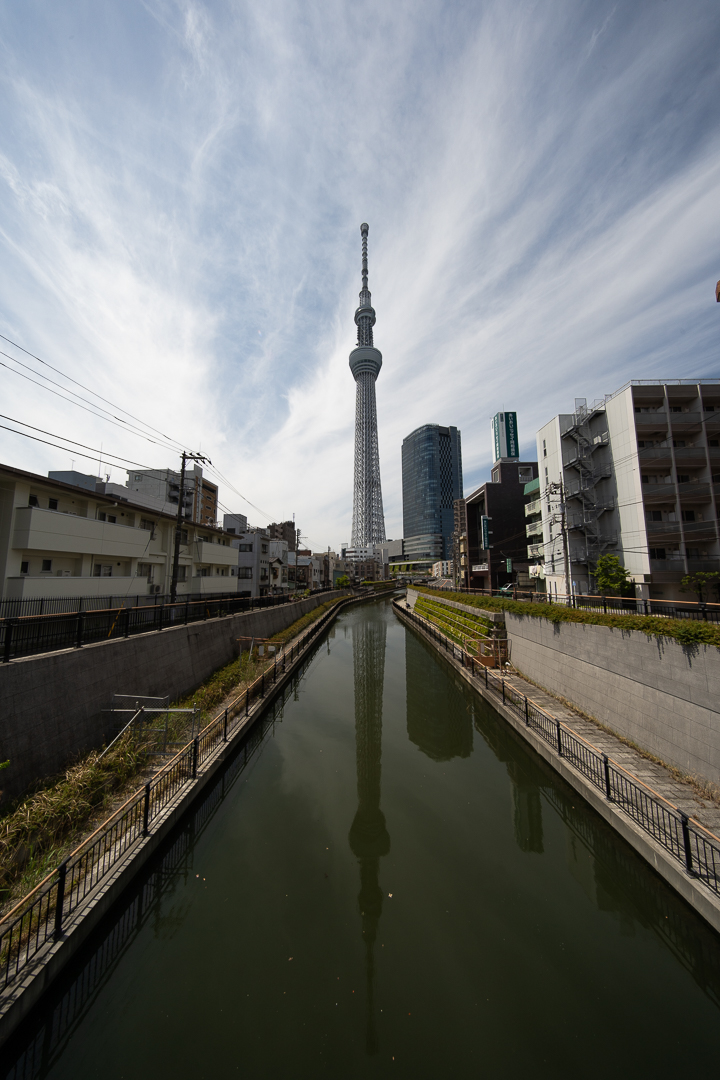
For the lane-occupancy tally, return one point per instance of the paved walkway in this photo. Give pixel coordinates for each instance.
(680, 793)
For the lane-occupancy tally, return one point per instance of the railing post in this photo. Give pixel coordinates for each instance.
(196, 754)
(606, 767)
(60, 899)
(187, 605)
(527, 714)
(225, 726)
(127, 622)
(486, 676)
(80, 628)
(8, 640)
(146, 809)
(247, 701)
(559, 737)
(686, 842)
(262, 685)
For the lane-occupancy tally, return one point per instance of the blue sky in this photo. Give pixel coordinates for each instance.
(181, 189)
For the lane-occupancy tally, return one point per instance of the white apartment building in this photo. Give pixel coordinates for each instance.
(636, 473)
(443, 568)
(253, 557)
(61, 540)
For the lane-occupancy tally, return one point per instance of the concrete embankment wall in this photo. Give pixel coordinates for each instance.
(53, 705)
(661, 694)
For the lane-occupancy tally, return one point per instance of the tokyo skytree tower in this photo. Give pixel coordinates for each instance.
(368, 522)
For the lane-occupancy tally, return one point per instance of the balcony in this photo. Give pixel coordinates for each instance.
(48, 530)
(534, 528)
(50, 587)
(536, 551)
(215, 554)
(211, 586)
(534, 507)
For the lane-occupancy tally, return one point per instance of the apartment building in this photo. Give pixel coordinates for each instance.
(253, 556)
(59, 539)
(495, 525)
(199, 495)
(636, 473)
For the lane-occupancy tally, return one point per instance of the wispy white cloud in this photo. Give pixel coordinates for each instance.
(183, 183)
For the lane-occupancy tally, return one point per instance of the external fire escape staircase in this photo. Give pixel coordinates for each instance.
(585, 506)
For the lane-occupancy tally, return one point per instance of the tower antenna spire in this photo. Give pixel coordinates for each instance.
(368, 526)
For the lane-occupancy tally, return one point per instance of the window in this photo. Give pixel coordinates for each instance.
(102, 516)
(688, 515)
(102, 570)
(683, 478)
(52, 504)
(46, 566)
(678, 442)
(25, 567)
(138, 477)
(693, 553)
(182, 573)
(709, 408)
(544, 449)
(525, 475)
(204, 571)
(230, 531)
(183, 536)
(264, 549)
(245, 547)
(145, 569)
(496, 476)
(245, 572)
(33, 501)
(675, 408)
(149, 526)
(654, 515)
(713, 442)
(657, 553)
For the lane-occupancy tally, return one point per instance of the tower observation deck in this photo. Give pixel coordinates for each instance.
(368, 523)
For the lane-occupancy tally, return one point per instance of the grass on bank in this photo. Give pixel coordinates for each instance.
(686, 631)
(41, 828)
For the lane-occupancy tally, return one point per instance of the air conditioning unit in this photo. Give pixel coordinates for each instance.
(155, 588)
(64, 573)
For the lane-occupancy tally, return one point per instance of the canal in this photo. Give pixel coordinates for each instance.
(384, 881)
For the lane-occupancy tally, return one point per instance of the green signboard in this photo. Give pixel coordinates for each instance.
(505, 436)
(485, 531)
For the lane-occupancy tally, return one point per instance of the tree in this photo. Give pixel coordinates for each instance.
(699, 582)
(343, 581)
(611, 576)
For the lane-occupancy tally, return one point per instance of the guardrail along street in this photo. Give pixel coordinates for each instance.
(608, 605)
(686, 840)
(28, 635)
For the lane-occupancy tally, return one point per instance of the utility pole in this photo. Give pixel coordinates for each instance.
(178, 526)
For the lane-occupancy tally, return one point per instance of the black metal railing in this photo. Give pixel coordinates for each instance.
(608, 605)
(697, 849)
(28, 635)
(39, 916)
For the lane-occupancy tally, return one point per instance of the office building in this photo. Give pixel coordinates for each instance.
(431, 482)
(199, 494)
(497, 550)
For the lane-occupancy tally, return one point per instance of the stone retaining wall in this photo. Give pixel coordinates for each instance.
(661, 694)
(52, 704)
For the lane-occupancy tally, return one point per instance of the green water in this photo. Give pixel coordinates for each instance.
(385, 882)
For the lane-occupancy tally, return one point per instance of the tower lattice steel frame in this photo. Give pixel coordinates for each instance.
(368, 523)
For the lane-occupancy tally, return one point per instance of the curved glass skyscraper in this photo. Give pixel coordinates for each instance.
(431, 481)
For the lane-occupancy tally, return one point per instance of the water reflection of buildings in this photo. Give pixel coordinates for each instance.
(440, 724)
(369, 837)
(526, 804)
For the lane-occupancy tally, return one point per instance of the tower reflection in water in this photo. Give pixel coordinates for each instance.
(368, 836)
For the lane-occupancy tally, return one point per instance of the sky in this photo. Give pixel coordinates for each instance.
(181, 190)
